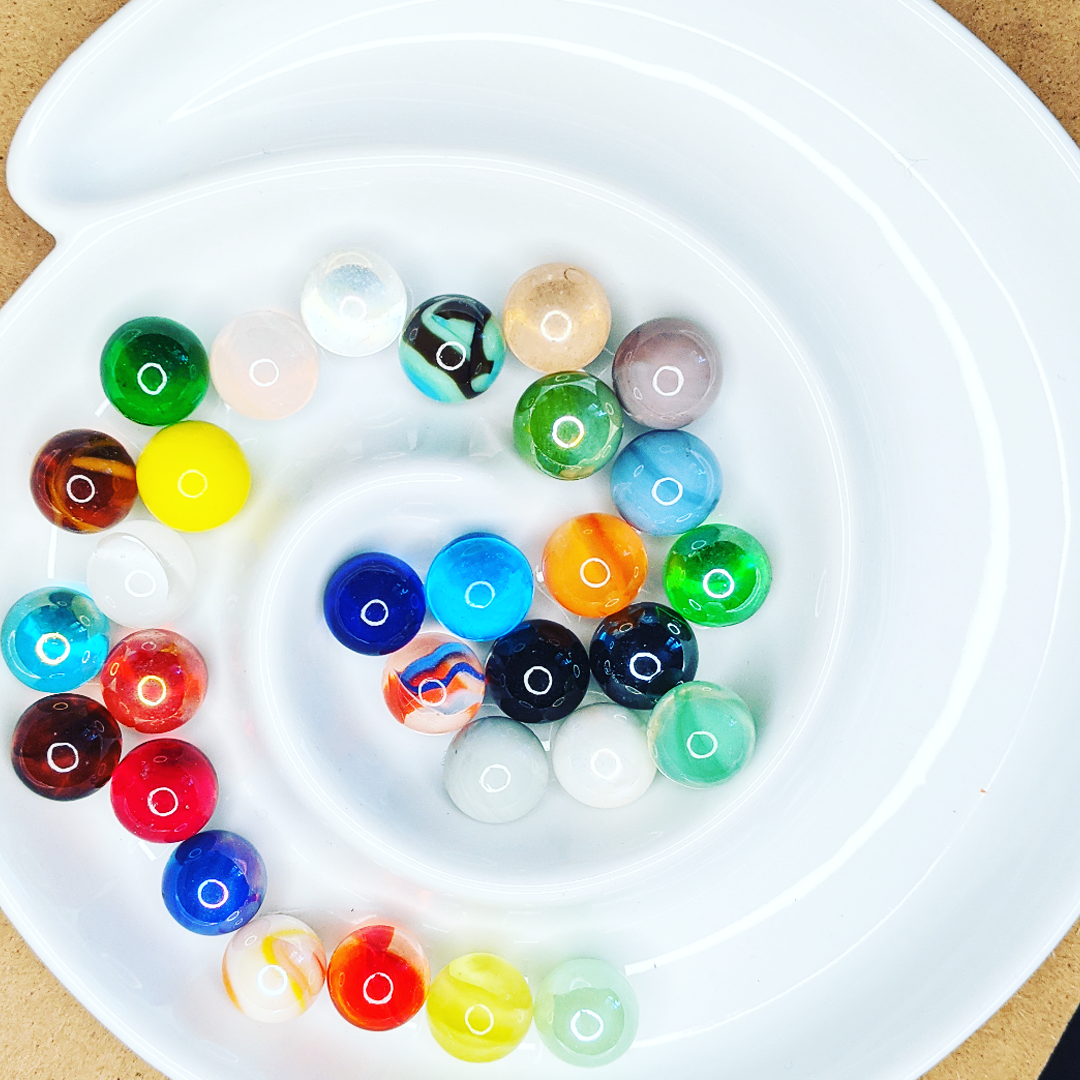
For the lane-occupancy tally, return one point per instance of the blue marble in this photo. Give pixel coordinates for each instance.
(214, 882)
(374, 603)
(479, 586)
(54, 639)
(638, 654)
(666, 482)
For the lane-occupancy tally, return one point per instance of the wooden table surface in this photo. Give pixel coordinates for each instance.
(44, 1033)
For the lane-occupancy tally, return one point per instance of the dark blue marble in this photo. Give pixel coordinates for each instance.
(374, 603)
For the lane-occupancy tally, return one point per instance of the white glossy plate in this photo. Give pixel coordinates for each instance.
(879, 224)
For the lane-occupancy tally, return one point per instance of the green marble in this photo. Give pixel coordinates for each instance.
(154, 371)
(586, 1012)
(568, 424)
(700, 734)
(717, 575)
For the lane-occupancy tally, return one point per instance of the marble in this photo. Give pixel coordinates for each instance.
(601, 756)
(142, 575)
(214, 882)
(556, 317)
(539, 672)
(495, 770)
(193, 476)
(568, 425)
(374, 603)
(435, 684)
(701, 734)
(65, 746)
(594, 564)
(164, 791)
(717, 575)
(479, 1007)
(666, 482)
(666, 373)
(274, 968)
(586, 1012)
(378, 977)
(154, 371)
(83, 481)
(452, 348)
(638, 654)
(479, 586)
(265, 365)
(54, 639)
(153, 681)
(353, 303)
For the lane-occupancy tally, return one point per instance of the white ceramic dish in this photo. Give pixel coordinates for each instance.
(879, 224)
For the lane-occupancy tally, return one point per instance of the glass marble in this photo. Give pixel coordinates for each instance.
(568, 425)
(374, 603)
(214, 882)
(556, 317)
(666, 482)
(495, 770)
(717, 575)
(666, 373)
(164, 791)
(434, 685)
(594, 564)
(265, 365)
(586, 1012)
(54, 639)
(65, 746)
(701, 734)
(193, 476)
(601, 756)
(142, 575)
(638, 654)
(353, 303)
(153, 681)
(452, 348)
(274, 969)
(479, 1007)
(479, 586)
(83, 481)
(154, 371)
(538, 672)
(378, 977)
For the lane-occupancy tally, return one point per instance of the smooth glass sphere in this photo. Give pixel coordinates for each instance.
(193, 476)
(54, 639)
(378, 977)
(374, 603)
(701, 734)
(568, 425)
(434, 684)
(717, 575)
(452, 348)
(601, 756)
(479, 586)
(265, 365)
(586, 1012)
(556, 317)
(164, 791)
(666, 373)
(142, 575)
(666, 482)
(155, 371)
(594, 564)
(274, 968)
(83, 481)
(353, 303)
(495, 770)
(479, 1007)
(214, 882)
(65, 746)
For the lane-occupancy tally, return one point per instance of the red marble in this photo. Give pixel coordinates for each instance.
(153, 681)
